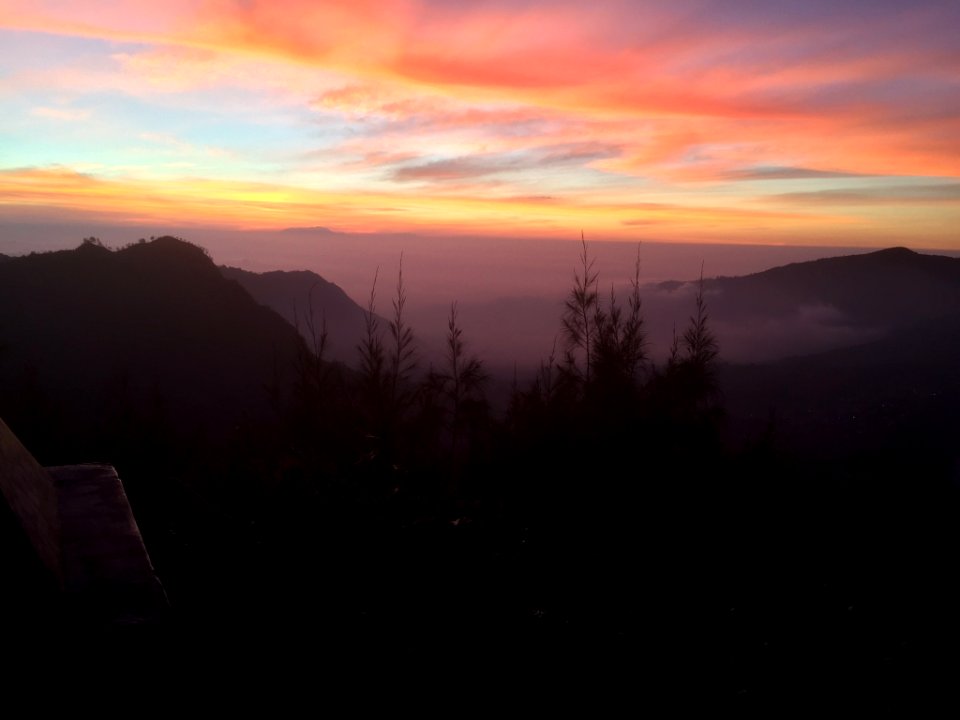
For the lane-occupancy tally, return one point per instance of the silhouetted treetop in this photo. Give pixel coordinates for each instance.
(699, 342)
(579, 317)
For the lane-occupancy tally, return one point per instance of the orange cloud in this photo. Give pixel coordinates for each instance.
(447, 113)
(261, 205)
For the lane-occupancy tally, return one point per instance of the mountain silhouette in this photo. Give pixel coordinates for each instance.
(889, 288)
(810, 307)
(301, 295)
(154, 325)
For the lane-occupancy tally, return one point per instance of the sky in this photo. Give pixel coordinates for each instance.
(807, 123)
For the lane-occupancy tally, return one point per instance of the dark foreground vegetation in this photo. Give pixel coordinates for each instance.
(616, 515)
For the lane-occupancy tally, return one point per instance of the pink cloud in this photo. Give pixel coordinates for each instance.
(464, 97)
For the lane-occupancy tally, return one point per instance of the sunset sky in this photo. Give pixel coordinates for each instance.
(809, 122)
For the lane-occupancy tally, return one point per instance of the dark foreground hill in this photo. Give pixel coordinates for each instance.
(93, 337)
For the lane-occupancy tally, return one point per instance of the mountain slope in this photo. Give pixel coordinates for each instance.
(892, 287)
(295, 295)
(89, 332)
(815, 306)
(846, 354)
(899, 392)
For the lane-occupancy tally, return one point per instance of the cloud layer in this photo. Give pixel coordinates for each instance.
(812, 122)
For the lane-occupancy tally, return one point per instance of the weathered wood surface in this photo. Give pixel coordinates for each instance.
(108, 576)
(30, 494)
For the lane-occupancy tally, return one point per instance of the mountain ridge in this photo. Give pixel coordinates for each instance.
(151, 322)
(870, 287)
(816, 305)
(303, 297)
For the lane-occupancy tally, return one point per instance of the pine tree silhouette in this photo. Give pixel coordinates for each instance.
(579, 318)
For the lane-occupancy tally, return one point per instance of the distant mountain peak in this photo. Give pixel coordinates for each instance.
(166, 245)
(312, 229)
(169, 243)
(171, 252)
(898, 251)
(92, 246)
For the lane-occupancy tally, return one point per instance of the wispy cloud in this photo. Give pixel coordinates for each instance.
(933, 193)
(784, 173)
(64, 114)
(484, 165)
(181, 147)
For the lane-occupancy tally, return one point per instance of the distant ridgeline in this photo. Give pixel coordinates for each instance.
(310, 303)
(891, 288)
(889, 383)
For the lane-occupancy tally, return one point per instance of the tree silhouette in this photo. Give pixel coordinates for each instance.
(372, 355)
(312, 367)
(579, 317)
(699, 342)
(403, 356)
(463, 377)
(619, 350)
(686, 390)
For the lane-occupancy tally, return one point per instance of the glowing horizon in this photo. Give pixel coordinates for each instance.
(773, 122)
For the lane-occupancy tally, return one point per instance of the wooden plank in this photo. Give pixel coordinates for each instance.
(30, 493)
(108, 576)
